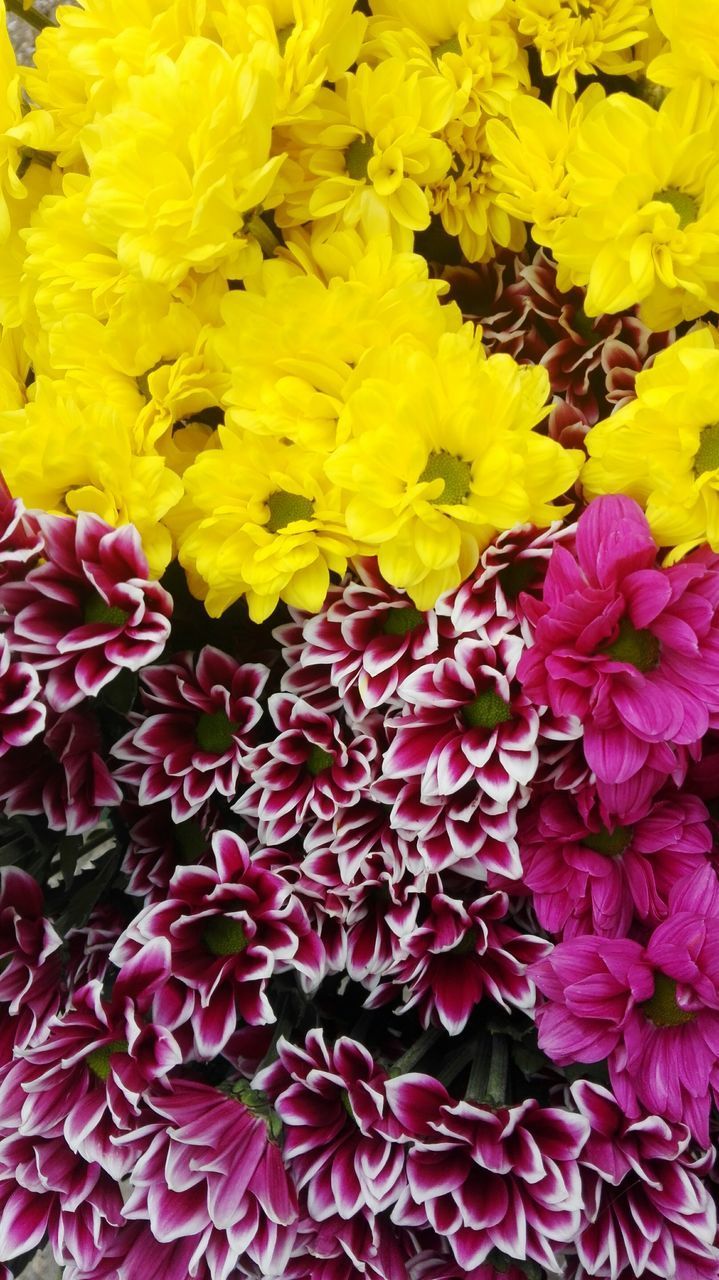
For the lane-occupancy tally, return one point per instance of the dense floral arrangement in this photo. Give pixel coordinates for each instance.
(359, 643)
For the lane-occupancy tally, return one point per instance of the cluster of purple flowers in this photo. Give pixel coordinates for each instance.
(382, 945)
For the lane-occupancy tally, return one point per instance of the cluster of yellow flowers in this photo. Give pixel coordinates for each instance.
(216, 318)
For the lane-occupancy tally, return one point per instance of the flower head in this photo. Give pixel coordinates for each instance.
(30, 968)
(582, 37)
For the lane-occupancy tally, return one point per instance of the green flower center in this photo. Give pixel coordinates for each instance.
(612, 843)
(662, 1008)
(318, 761)
(517, 577)
(456, 474)
(224, 937)
(214, 732)
(707, 455)
(447, 46)
(487, 711)
(683, 204)
(357, 157)
(286, 508)
(99, 1060)
(399, 622)
(466, 945)
(96, 610)
(639, 649)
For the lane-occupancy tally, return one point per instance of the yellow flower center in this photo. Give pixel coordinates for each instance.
(99, 1060)
(286, 508)
(639, 649)
(319, 760)
(357, 157)
(97, 610)
(454, 472)
(707, 455)
(214, 731)
(662, 1008)
(487, 711)
(399, 622)
(224, 937)
(612, 843)
(683, 204)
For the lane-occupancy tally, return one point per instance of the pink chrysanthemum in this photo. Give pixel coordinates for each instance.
(63, 775)
(652, 1010)
(212, 1169)
(20, 540)
(88, 611)
(341, 1143)
(484, 1179)
(630, 649)
(89, 945)
(22, 714)
(309, 770)
(30, 963)
(646, 1212)
(196, 738)
(590, 871)
(430, 1264)
(458, 955)
(85, 1080)
(228, 927)
(157, 846)
(368, 637)
(350, 1249)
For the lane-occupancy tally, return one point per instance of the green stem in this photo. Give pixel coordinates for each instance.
(416, 1051)
(264, 235)
(31, 16)
(456, 1062)
(488, 1077)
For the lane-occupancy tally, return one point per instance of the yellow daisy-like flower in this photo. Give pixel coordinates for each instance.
(370, 151)
(645, 190)
(268, 525)
(663, 447)
(441, 455)
(692, 29)
(67, 455)
(176, 169)
(466, 199)
(38, 182)
(530, 166)
(582, 37)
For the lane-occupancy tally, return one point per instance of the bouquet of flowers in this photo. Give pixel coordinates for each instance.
(359, 640)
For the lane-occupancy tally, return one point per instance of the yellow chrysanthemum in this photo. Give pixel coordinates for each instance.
(441, 455)
(645, 192)
(466, 199)
(176, 169)
(369, 152)
(530, 149)
(692, 29)
(14, 369)
(62, 454)
(663, 447)
(582, 37)
(288, 378)
(270, 526)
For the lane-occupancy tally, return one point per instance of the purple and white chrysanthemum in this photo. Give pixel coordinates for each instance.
(22, 713)
(30, 963)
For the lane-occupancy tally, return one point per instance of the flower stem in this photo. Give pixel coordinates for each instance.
(488, 1077)
(416, 1051)
(31, 16)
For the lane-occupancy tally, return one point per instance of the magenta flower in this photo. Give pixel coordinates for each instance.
(196, 739)
(20, 542)
(484, 1179)
(645, 1210)
(62, 776)
(430, 1264)
(630, 649)
(22, 714)
(84, 1081)
(459, 955)
(310, 770)
(228, 927)
(466, 722)
(30, 963)
(345, 1249)
(652, 1011)
(157, 846)
(134, 1251)
(211, 1163)
(341, 1143)
(367, 638)
(590, 871)
(88, 611)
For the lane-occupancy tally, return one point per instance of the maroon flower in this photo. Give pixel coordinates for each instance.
(21, 544)
(227, 927)
(30, 963)
(646, 1212)
(157, 846)
(484, 1179)
(22, 714)
(88, 611)
(62, 775)
(310, 770)
(341, 1143)
(459, 955)
(350, 1249)
(196, 739)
